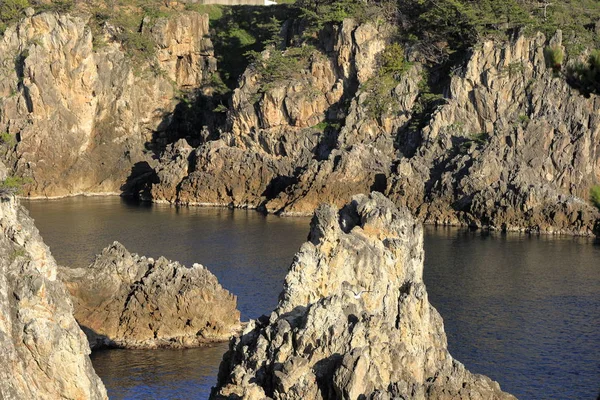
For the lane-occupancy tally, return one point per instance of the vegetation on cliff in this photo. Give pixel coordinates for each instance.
(595, 196)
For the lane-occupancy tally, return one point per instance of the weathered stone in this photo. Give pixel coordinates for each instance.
(513, 148)
(353, 320)
(124, 300)
(83, 114)
(273, 137)
(509, 146)
(173, 168)
(43, 353)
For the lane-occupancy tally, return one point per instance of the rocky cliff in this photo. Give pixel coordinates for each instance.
(273, 130)
(44, 354)
(124, 300)
(353, 320)
(506, 143)
(82, 109)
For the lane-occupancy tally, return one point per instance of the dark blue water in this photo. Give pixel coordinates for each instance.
(523, 310)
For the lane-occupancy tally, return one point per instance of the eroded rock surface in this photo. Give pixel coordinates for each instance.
(124, 300)
(82, 109)
(273, 134)
(506, 145)
(513, 147)
(43, 352)
(353, 319)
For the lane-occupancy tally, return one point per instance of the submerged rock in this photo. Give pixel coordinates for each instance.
(124, 300)
(353, 320)
(43, 353)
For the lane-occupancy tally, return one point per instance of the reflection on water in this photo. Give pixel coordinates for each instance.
(523, 310)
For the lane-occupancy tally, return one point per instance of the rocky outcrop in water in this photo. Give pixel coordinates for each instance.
(82, 108)
(124, 300)
(506, 145)
(353, 320)
(44, 354)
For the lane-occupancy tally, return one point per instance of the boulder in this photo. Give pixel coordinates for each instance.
(127, 301)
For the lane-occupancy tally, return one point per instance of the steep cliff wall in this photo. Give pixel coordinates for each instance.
(273, 131)
(353, 320)
(44, 354)
(509, 145)
(514, 147)
(82, 113)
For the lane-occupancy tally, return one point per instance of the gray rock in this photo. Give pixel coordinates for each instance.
(43, 352)
(353, 320)
(84, 113)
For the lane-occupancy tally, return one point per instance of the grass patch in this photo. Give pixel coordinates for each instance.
(595, 196)
(7, 139)
(12, 185)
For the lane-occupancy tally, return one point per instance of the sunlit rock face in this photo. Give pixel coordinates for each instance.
(129, 301)
(82, 109)
(43, 353)
(353, 320)
(508, 145)
(273, 133)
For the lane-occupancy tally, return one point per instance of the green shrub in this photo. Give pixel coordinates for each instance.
(59, 6)
(7, 139)
(554, 57)
(281, 65)
(393, 61)
(320, 12)
(11, 185)
(595, 196)
(11, 11)
(586, 77)
(380, 88)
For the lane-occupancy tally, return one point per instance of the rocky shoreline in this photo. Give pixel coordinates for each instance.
(502, 144)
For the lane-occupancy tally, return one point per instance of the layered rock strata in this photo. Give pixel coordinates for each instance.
(43, 352)
(128, 301)
(353, 320)
(82, 110)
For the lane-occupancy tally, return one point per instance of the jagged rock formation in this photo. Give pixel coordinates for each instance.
(514, 147)
(44, 354)
(353, 320)
(82, 108)
(271, 133)
(510, 146)
(124, 300)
